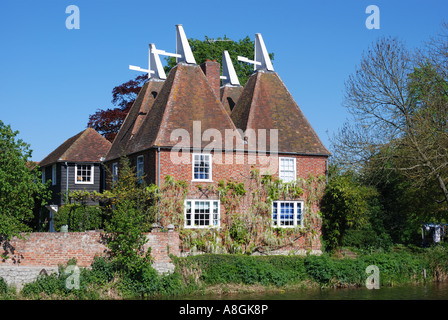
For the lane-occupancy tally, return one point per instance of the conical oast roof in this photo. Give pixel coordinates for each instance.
(230, 96)
(134, 118)
(266, 103)
(185, 99)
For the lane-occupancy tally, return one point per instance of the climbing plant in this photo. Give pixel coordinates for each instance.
(169, 202)
(246, 222)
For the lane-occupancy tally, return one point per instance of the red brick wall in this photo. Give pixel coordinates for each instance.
(239, 168)
(163, 244)
(52, 249)
(212, 71)
(240, 171)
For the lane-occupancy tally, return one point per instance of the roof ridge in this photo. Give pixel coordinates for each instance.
(266, 103)
(165, 106)
(122, 134)
(236, 118)
(256, 90)
(218, 99)
(54, 152)
(75, 143)
(140, 110)
(313, 132)
(64, 152)
(144, 87)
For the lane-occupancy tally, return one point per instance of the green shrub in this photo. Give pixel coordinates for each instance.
(125, 238)
(102, 270)
(395, 267)
(3, 287)
(147, 282)
(248, 270)
(239, 232)
(44, 286)
(54, 286)
(321, 268)
(436, 258)
(366, 240)
(79, 217)
(349, 272)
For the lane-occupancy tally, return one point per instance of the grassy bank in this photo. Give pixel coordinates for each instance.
(238, 273)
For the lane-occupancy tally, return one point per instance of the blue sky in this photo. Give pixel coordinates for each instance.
(53, 78)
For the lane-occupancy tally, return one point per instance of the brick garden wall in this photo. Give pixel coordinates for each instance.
(51, 249)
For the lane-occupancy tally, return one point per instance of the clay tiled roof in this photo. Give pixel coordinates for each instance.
(135, 118)
(266, 103)
(86, 146)
(230, 96)
(186, 97)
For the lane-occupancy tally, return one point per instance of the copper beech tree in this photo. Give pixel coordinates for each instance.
(108, 121)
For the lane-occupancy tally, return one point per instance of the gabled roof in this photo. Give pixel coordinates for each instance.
(86, 146)
(185, 97)
(266, 103)
(135, 117)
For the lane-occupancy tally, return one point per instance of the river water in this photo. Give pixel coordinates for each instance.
(428, 291)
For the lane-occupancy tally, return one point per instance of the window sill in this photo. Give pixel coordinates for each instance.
(201, 227)
(288, 227)
(77, 182)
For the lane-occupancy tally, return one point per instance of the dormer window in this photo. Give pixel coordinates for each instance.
(83, 174)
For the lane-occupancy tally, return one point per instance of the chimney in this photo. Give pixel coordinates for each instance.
(212, 72)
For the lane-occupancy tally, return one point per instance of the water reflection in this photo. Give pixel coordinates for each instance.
(430, 291)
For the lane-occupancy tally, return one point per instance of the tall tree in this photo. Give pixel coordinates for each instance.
(345, 205)
(108, 121)
(398, 105)
(21, 189)
(128, 220)
(212, 49)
